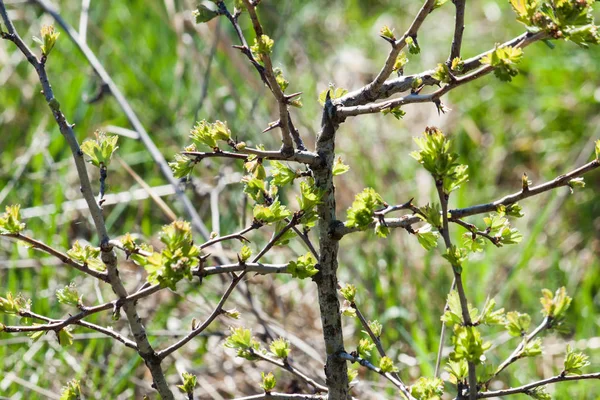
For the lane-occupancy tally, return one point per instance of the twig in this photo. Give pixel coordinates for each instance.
(516, 354)
(266, 72)
(409, 220)
(438, 359)
(238, 235)
(526, 388)
(61, 256)
(370, 91)
(365, 363)
(473, 229)
(404, 83)
(561, 180)
(218, 309)
(108, 332)
(259, 268)
(300, 156)
(445, 231)
(459, 27)
(375, 339)
(286, 366)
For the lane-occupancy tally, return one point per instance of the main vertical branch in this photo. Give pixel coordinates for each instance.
(336, 371)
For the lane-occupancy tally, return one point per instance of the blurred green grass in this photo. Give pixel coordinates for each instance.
(542, 123)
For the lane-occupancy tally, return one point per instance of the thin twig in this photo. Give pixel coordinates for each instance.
(365, 363)
(516, 354)
(61, 256)
(370, 91)
(286, 366)
(526, 388)
(445, 231)
(300, 156)
(459, 27)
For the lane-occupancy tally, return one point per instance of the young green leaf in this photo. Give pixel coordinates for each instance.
(69, 295)
(428, 388)
(555, 306)
(268, 382)
(189, 383)
(48, 39)
(401, 61)
(304, 267)
(517, 324)
(10, 223)
(280, 347)
(387, 32)
(245, 253)
(532, 348)
(348, 292)
(364, 348)
(458, 370)
(87, 255)
(387, 365)
(182, 166)
(282, 174)
(468, 344)
(360, 215)
(72, 391)
(426, 237)
(504, 60)
(375, 327)
(262, 47)
(281, 81)
(204, 14)
(413, 46)
(65, 338)
(574, 362)
(273, 213)
(539, 393)
(13, 305)
(339, 168)
(334, 93)
(397, 112)
(489, 316)
(241, 339)
(101, 149)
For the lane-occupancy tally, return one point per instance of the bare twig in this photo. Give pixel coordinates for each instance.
(526, 388)
(459, 27)
(61, 256)
(286, 366)
(559, 181)
(259, 268)
(300, 156)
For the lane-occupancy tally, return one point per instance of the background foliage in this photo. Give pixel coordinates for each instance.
(544, 123)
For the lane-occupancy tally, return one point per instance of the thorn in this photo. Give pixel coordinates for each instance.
(240, 48)
(291, 96)
(272, 125)
(389, 40)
